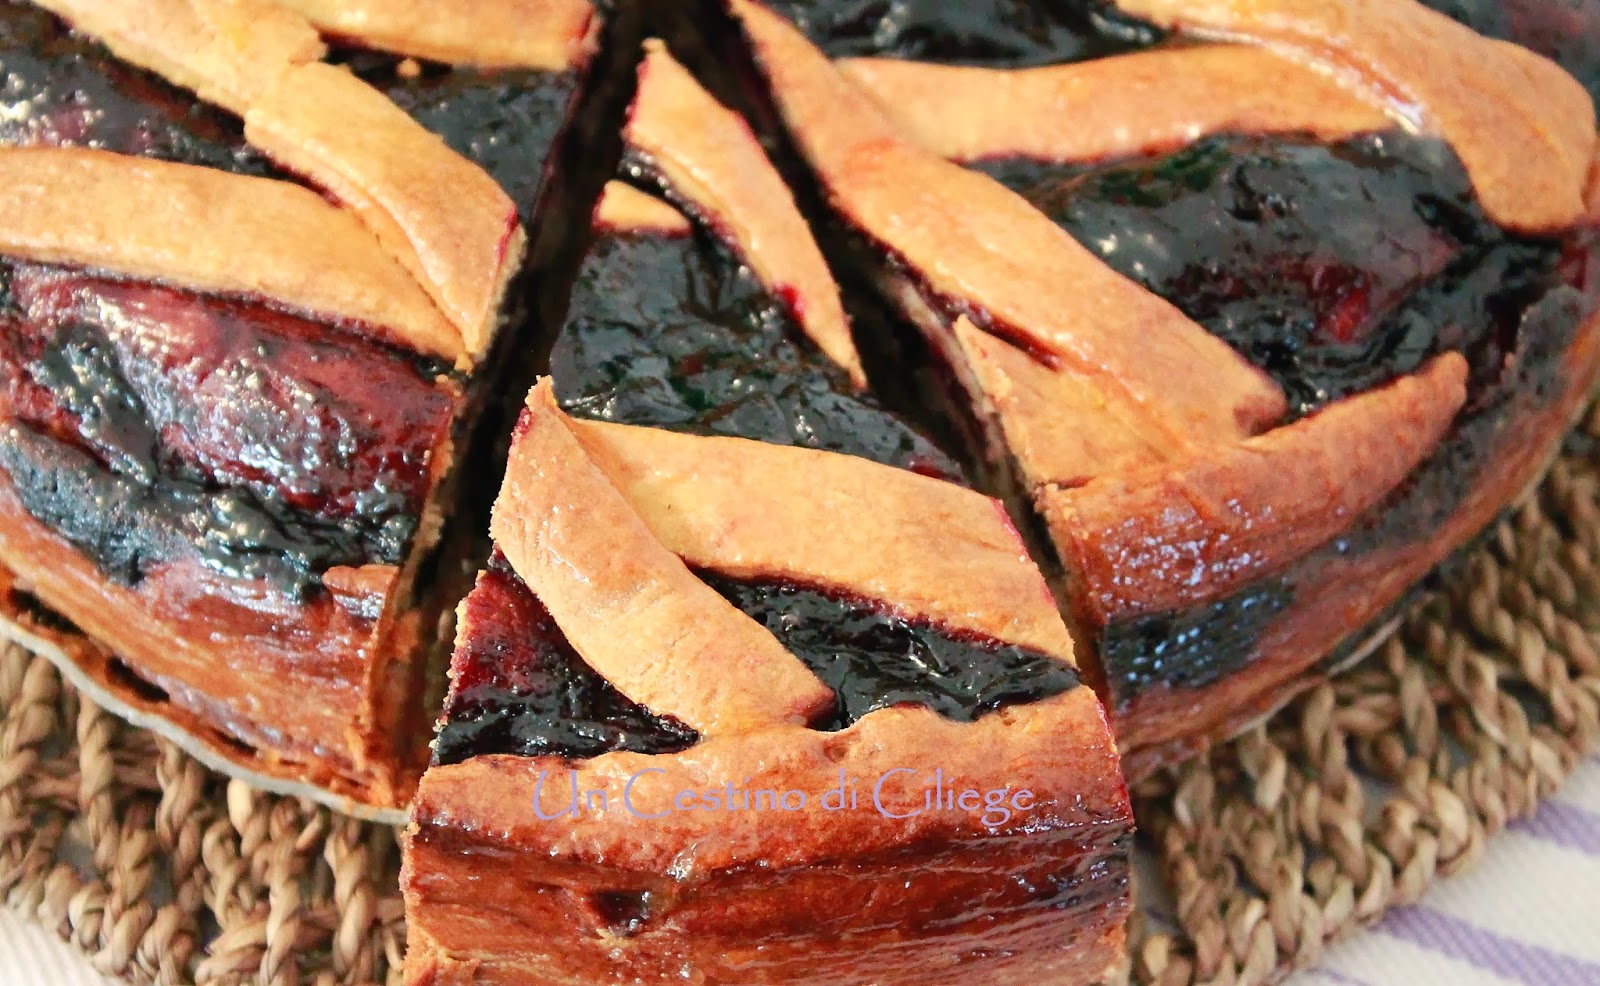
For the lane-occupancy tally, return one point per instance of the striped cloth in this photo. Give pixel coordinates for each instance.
(1528, 914)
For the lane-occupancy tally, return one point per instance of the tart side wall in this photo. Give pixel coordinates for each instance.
(1336, 590)
(495, 895)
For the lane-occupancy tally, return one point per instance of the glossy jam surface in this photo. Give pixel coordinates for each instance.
(1332, 268)
(518, 687)
(873, 659)
(64, 90)
(673, 332)
(148, 423)
(1565, 31)
(978, 32)
(506, 121)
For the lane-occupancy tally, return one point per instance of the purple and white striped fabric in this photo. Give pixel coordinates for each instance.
(1528, 914)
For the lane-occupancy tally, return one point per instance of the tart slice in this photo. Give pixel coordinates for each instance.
(247, 342)
(1256, 353)
(738, 660)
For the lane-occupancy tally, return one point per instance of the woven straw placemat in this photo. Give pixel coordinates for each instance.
(1349, 802)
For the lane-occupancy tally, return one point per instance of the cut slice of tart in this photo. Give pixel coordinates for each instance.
(248, 339)
(1259, 350)
(734, 607)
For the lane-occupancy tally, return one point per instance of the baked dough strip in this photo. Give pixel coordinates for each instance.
(211, 231)
(715, 168)
(1140, 103)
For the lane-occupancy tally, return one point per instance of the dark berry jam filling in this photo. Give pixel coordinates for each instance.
(977, 32)
(148, 424)
(506, 121)
(873, 659)
(517, 687)
(1565, 31)
(65, 90)
(674, 332)
(1204, 644)
(1332, 268)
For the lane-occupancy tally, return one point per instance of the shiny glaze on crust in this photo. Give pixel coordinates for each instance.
(976, 32)
(66, 90)
(150, 424)
(1565, 31)
(506, 121)
(1332, 268)
(674, 332)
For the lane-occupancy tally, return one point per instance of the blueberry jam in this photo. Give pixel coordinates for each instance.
(518, 687)
(1332, 268)
(506, 121)
(873, 659)
(147, 424)
(1565, 31)
(977, 32)
(65, 90)
(674, 332)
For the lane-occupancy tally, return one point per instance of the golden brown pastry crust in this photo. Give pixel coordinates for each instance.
(984, 248)
(1132, 104)
(742, 896)
(627, 604)
(538, 34)
(212, 231)
(1167, 536)
(226, 51)
(1042, 411)
(1524, 129)
(625, 209)
(1165, 725)
(438, 213)
(714, 166)
(1058, 748)
(925, 548)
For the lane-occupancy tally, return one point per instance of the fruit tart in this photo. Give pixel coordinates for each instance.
(752, 689)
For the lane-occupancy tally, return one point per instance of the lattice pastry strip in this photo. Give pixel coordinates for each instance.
(445, 219)
(1119, 106)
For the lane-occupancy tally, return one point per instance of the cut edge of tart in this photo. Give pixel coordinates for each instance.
(389, 261)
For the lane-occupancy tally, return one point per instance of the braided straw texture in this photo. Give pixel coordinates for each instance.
(1349, 802)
